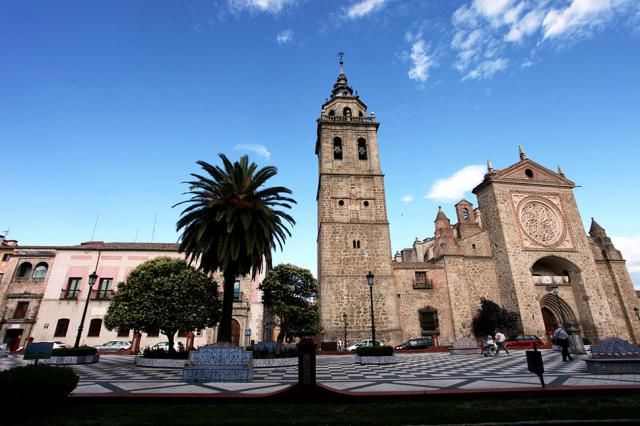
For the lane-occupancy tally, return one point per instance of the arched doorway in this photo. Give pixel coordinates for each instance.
(235, 332)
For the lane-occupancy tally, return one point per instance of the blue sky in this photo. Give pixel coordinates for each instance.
(106, 105)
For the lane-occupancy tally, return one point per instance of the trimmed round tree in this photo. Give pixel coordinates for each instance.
(232, 223)
(288, 292)
(165, 294)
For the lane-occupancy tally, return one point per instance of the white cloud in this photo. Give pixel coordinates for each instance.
(630, 248)
(421, 61)
(363, 8)
(257, 149)
(455, 186)
(486, 31)
(284, 37)
(407, 198)
(271, 6)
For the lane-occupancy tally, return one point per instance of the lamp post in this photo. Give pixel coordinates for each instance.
(344, 318)
(92, 280)
(370, 277)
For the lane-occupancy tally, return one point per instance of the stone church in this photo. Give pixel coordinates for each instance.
(523, 247)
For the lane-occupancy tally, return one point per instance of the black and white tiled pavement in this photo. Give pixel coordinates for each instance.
(413, 372)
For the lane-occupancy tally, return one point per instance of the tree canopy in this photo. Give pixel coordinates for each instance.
(164, 294)
(491, 317)
(288, 292)
(232, 223)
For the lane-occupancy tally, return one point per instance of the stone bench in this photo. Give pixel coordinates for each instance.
(614, 356)
(465, 346)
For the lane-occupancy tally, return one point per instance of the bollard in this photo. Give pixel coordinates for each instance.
(306, 362)
(534, 363)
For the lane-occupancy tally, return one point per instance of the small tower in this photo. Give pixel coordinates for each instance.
(601, 238)
(445, 240)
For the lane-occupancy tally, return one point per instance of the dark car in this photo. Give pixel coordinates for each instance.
(418, 343)
(522, 342)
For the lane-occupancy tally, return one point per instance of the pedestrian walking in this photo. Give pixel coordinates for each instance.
(562, 339)
(500, 342)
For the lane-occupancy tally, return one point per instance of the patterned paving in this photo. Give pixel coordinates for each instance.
(416, 372)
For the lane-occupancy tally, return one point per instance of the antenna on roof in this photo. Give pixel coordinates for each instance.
(136, 239)
(153, 232)
(94, 227)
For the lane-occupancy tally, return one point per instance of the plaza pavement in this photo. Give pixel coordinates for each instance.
(416, 373)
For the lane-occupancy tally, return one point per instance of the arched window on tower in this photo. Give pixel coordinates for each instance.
(337, 149)
(332, 113)
(362, 149)
(465, 214)
(346, 112)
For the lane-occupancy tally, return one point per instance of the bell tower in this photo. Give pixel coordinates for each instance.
(353, 230)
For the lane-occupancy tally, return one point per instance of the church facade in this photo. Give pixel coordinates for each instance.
(524, 247)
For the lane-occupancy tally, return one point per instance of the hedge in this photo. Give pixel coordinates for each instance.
(80, 351)
(374, 351)
(159, 353)
(41, 383)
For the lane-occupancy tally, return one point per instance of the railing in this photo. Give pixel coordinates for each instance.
(240, 304)
(100, 294)
(422, 284)
(550, 279)
(346, 118)
(69, 294)
(25, 280)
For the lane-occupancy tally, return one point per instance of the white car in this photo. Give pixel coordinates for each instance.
(364, 342)
(114, 346)
(165, 346)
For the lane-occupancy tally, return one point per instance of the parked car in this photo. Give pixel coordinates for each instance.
(56, 344)
(364, 342)
(114, 346)
(522, 342)
(417, 343)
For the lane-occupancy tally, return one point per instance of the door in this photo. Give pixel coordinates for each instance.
(235, 332)
(550, 323)
(12, 338)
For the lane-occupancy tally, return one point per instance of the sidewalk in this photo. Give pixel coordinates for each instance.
(433, 373)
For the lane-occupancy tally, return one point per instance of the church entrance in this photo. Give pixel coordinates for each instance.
(550, 323)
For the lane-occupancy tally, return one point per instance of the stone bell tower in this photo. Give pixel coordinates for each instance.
(353, 230)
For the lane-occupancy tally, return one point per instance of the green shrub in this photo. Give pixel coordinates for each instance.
(159, 353)
(286, 352)
(374, 350)
(80, 351)
(41, 383)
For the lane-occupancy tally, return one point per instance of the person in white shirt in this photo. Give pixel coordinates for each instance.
(562, 339)
(500, 342)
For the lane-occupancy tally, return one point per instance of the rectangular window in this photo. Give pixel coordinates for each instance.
(6, 257)
(21, 310)
(94, 328)
(236, 290)
(123, 332)
(61, 328)
(421, 280)
(73, 288)
(104, 289)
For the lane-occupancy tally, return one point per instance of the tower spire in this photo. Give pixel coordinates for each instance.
(341, 56)
(523, 156)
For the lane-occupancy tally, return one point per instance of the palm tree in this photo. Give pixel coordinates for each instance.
(232, 224)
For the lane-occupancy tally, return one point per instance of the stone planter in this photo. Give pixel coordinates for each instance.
(160, 362)
(376, 360)
(275, 362)
(218, 363)
(71, 360)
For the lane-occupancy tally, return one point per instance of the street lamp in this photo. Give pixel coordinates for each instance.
(92, 280)
(344, 318)
(370, 277)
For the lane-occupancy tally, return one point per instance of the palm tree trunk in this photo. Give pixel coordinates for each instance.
(224, 329)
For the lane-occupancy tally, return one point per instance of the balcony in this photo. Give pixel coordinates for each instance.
(69, 294)
(100, 294)
(342, 118)
(422, 284)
